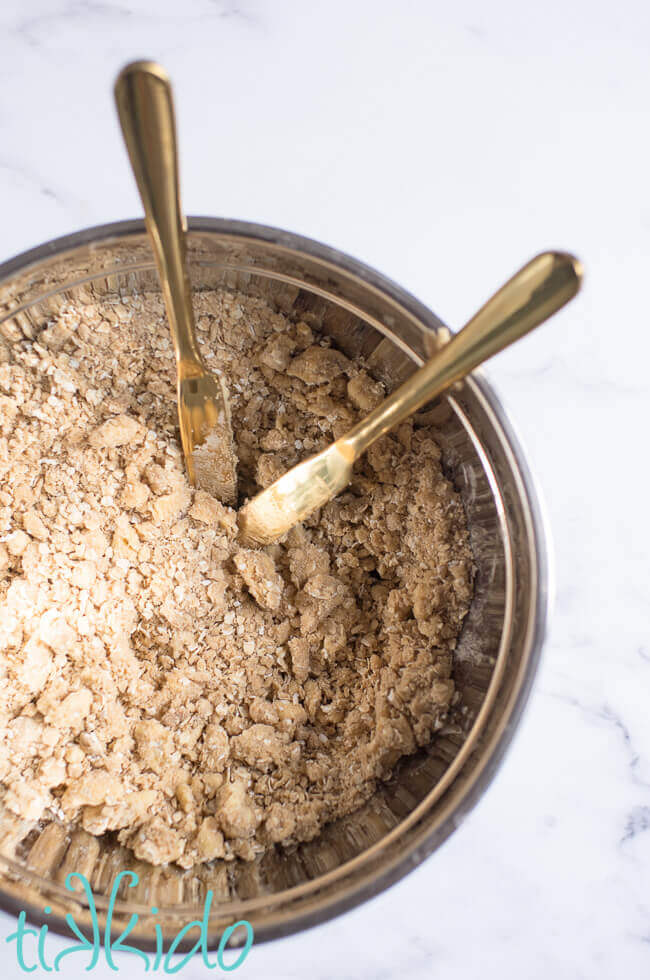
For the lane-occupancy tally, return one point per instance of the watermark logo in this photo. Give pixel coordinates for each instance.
(31, 952)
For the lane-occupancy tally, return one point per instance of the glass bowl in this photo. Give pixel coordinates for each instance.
(497, 654)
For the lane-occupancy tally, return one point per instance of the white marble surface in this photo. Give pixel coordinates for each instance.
(443, 144)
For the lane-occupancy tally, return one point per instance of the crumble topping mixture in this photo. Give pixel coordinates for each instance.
(201, 699)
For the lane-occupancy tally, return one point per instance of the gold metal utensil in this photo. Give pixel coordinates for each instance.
(145, 108)
(537, 291)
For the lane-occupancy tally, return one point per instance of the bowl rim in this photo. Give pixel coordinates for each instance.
(434, 837)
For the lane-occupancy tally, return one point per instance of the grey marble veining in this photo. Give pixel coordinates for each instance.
(444, 144)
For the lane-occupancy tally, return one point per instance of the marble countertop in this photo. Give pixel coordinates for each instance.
(443, 144)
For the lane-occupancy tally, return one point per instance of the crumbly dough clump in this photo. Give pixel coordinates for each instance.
(200, 699)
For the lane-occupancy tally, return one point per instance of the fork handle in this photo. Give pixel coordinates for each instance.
(146, 112)
(533, 294)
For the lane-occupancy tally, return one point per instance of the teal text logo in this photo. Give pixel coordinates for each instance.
(30, 943)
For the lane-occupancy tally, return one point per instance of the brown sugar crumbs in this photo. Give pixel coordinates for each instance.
(200, 699)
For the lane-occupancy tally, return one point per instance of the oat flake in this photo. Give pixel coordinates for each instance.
(202, 700)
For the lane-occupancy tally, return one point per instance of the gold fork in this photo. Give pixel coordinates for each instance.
(145, 108)
(534, 294)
